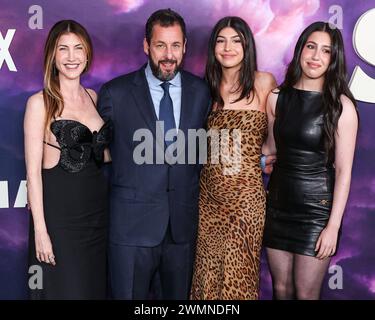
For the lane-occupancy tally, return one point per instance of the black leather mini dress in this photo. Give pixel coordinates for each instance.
(300, 188)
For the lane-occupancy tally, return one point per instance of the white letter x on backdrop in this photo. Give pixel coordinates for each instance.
(4, 50)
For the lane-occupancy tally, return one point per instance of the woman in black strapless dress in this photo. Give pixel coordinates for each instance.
(313, 125)
(68, 200)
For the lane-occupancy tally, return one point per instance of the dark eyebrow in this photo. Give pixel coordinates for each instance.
(162, 42)
(317, 44)
(236, 36)
(64, 45)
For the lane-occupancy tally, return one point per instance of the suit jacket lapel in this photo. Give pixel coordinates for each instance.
(142, 96)
(187, 92)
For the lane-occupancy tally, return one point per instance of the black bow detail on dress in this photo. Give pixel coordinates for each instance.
(100, 141)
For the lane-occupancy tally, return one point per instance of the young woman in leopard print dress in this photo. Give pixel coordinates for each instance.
(232, 198)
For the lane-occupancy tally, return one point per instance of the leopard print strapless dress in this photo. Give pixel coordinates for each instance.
(231, 208)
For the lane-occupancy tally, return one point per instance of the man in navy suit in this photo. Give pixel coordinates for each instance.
(154, 205)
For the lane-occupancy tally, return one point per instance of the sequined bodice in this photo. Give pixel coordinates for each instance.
(79, 146)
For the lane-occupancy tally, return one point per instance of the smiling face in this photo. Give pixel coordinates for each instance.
(316, 55)
(70, 57)
(165, 51)
(228, 49)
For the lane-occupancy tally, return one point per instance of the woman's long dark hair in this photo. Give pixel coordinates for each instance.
(249, 63)
(335, 82)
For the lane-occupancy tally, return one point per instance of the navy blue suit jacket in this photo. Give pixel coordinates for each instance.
(145, 197)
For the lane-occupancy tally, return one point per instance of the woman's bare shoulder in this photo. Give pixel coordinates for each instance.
(265, 82)
(92, 94)
(35, 102)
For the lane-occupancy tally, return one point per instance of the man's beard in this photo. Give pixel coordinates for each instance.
(158, 73)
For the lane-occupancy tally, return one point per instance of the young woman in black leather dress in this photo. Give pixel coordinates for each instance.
(65, 142)
(313, 122)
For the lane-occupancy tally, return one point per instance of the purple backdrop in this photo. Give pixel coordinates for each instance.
(116, 27)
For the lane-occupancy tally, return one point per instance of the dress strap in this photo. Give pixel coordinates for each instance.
(90, 97)
(52, 145)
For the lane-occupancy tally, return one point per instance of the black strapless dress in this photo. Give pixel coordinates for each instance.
(301, 185)
(75, 200)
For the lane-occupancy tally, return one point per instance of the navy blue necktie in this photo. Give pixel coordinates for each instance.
(166, 111)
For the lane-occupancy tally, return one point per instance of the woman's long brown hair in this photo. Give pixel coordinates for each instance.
(53, 100)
